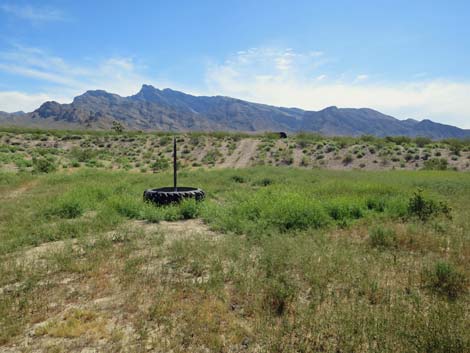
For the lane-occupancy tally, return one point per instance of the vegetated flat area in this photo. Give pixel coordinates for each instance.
(276, 259)
(151, 152)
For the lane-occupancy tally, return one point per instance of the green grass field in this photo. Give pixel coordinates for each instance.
(276, 259)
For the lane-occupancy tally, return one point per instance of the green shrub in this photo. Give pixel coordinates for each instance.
(424, 209)
(436, 164)
(171, 213)
(278, 293)
(422, 141)
(151, 213)
(160, 164)
(348, 159)
(43, 165)
(445, 279)
(376, 203)
(264, 182)
(127, 206)
(189, 209)
(211, 157)
(75, 164)
(66, 209)
(381, 237)
(164, 140)
(345, 209)
(238, 179)
(82, 154)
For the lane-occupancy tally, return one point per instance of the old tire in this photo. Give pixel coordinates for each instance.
(168, 195)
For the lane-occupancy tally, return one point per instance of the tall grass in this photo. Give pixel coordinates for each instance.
(303, 260)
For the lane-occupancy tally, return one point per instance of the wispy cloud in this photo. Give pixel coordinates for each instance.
(33, 13)
(55, 78)
(61, 80)
(289, 78)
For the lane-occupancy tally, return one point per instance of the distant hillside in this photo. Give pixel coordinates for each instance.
(154, 109)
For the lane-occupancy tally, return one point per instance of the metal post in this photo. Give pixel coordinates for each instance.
(174, 163)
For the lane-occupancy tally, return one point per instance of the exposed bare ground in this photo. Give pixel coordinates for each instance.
(173, 231)
(95, 320)
(297, 157)
(243, 155)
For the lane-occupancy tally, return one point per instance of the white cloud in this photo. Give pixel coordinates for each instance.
(14, 101)
(35, 14)
(287, 78)
(61, 81)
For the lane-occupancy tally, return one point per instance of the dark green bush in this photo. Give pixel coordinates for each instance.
(43, 165)
(238, 179)
(264, 182)
(164, 140)
(446, 279)
(348, 159)
(376, 204)
(436, 164)
(424, 209)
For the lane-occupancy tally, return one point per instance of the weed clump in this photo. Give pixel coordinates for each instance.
(82, 154)
(264, 182)
(189, 209)
(278, 293)
(238, 179)
(381, 237)
(446, 279)
(66, 209)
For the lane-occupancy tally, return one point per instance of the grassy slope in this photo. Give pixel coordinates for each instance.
(151, 152)
(312, 261)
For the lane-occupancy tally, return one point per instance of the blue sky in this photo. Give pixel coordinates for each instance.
(404, 58)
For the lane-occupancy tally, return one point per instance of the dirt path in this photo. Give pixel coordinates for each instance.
(297, 154)
(13, 194)
(241, 157)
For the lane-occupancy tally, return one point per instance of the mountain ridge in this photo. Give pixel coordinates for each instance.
(166, 109)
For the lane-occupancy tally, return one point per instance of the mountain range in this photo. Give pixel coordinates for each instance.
(170, 110)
